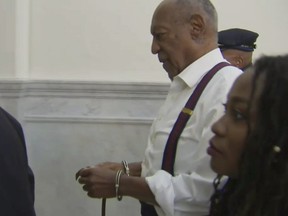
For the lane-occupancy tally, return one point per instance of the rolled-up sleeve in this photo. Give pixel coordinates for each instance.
(185, 194)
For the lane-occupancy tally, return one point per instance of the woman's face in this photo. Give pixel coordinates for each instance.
(231, 129)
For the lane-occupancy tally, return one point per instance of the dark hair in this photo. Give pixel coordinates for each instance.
(261, 188)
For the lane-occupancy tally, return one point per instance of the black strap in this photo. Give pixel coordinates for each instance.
(171, 145)
(103, 208)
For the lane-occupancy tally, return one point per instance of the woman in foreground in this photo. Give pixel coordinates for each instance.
(250, 145)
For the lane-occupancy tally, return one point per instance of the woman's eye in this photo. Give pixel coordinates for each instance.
(238, 116)
(235, 114)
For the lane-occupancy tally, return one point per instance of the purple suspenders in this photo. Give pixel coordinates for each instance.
(171, 145)
(169, 154)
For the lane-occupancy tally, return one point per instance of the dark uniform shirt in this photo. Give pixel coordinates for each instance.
(16, 177)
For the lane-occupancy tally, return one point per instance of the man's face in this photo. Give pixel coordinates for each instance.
(171, 40)
(231, 56)
(237, 58)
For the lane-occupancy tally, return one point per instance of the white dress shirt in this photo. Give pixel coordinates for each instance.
(189, 191)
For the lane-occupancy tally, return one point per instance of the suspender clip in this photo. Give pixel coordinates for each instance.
(187, 111)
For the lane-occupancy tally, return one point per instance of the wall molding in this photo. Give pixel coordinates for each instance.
(18, 88)
(87, 120)
(82, 101)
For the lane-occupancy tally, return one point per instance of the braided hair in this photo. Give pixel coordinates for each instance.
(261, 188)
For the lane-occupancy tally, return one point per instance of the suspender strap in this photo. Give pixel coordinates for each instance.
(171, 145)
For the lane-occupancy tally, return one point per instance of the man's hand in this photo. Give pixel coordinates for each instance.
(98, 181)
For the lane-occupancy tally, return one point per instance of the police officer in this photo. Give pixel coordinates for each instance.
(237, 46)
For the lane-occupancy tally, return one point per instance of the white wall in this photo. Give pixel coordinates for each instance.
(110, 40)
(101, 40)
(7, 38)
(268, 18)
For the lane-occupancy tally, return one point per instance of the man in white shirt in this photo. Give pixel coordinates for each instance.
(185, 40)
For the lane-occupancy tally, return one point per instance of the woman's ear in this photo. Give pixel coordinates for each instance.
(197, 25)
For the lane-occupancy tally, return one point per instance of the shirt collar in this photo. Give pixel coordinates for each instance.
(191, 74)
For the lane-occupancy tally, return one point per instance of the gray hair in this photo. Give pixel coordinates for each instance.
(190, 7)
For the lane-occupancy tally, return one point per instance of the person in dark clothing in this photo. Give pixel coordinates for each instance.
(16, 177)
(237, 46)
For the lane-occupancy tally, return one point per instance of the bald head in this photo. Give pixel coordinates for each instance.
(185, 9)
(204, 7)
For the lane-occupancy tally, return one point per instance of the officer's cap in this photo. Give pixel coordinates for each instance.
(236, 38)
